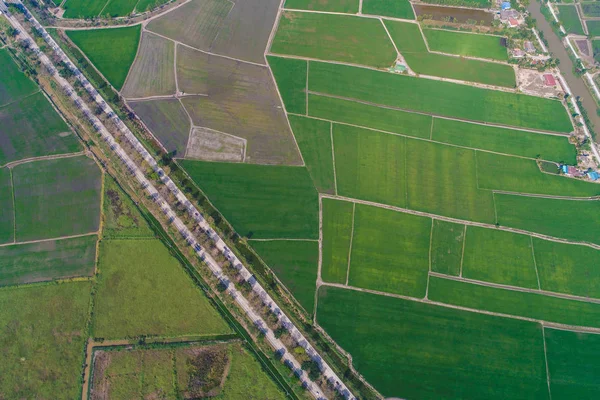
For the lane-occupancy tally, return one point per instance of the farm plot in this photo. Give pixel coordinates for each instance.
(210, 145)
(447, 243)
(314, 139)
(573, 364)
(394, 344)
(167, 120)
(338, 221)
(153, 71)
(511, 174)
(31, 128)
(56, 198)
(332, 37)
(466, 44)
(239, 99)
(410, 43)
(568, 16)
(146, 5)
(118, 8)
(569, 219)
(590, 9)
(504, 140)
(295, 263)
(14, 84)
(596, 49)
(593, 27)
(396, 9)
(7, 216)
(42, 337)
(466, 3)
(45, 261)
(441, 98)
(512, 302)
(83, 8)
(390, 251)
(500, 257)
(261, 202)
(343, 6)
(142, 289)
(112, 51)
(291, 75)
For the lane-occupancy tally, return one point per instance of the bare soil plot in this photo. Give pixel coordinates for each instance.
(167, 120)
(153, 71)
(45, 261)
(7, 216)
(56, 198)
(210, 145)
(241, 100)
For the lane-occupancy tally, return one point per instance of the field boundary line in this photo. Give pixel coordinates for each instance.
(105, 4)
(434, 28)
(495, 208)
(389, 37)
(101, 220)
(175, 68)
(12, 187)
(431, 131)
(462, 254)
(21, 98)
(476, 171)
(463, 222)
(405, 174)
(333, 158)
(430, 244)
(283, 240)
(424, 38)
(306, 89)
(564, 296)
(50, 239)
(537, 275)
(274, 29)
(360, 7)
(13, 164)
(320, 262)
(191, 124)
(351, 240)
(546, 362)
(550, 196)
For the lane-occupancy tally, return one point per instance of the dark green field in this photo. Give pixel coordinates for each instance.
(119, 8)
(83, 8)
(261, 202)
(396, 9)
(447, 247)
(57, 198)
(419, 351)
(344, 6)
(593, 27)
(7, 217)
(295, 263)
(145, 5)
(465, 44)
(45, 261)
(570, 18)
(14, 84)
(590, 9)
(290, 75)
(120, 217)
(337, 234)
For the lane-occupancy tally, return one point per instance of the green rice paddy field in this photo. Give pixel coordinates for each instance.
(338, 221)
(593, 27)
(396, 9)
(447, 244)
(343, 6)
(291, 79)
(7, 217)
(465, 44)
(14, 85)
(570, 19)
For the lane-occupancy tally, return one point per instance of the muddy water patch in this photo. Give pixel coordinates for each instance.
(454, 14)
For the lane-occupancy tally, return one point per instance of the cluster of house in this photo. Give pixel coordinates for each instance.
(507, 15)
(519, 53)
(570, 170)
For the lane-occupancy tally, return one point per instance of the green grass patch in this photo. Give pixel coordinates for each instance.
(466, 44)
(596, 49)
(443, 98)
(415, 350)
(119, 8)
(410, 43)
(591, 9)
(334, 37)
(573, 364)
(112, 51)
(146, 5)
(291, 75)
(295, 262)
(142, 290)
(7, 216)
(567, 14)
(390, 251)
(593, 27)
(567, 268)
(314, 139)
(343, 6)
(447, 247)
(56, 198)
(83, 8)
(31, 128)
(42, 338)
(499, 257)
(504, 140)
(260, 201)
(14, 84)
(45, 261)
(396, 9)
(511, 174)
(337, 235)
(568, 219)
(355, 113)
(512, 302)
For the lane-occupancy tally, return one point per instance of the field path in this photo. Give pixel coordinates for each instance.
(13, 164)
(51, 239)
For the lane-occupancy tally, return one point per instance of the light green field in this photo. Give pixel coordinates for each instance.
(290, 75)
(466, 44)
(337, 235)
(42, 337)
(573, 364)
(499, 257)
(56, 198)
(145, 5)
(295, 262)
(355, 113)
(593, 27)
(502, 140)
(566, 268)
(409, 41)
(112, 51)
(447, 247)
(120, 217)
(45, 261)
(261, 202)
(332, 37)
(119, 8)
(414, 350)
(568, 219)
(512, 302)
(7, 217)
(442, 98)
(397, 9)
(511, 174)
(141, 291)
(83, 8)
(569, 18)
(343, 6)
(390, 251)
(314, 139)
(14, 84)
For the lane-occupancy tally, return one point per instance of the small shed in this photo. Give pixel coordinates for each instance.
(593, 175)
(564, 169)
(549, 80)
(505, 5)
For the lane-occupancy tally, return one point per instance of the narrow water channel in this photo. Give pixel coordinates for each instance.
(566, 65)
